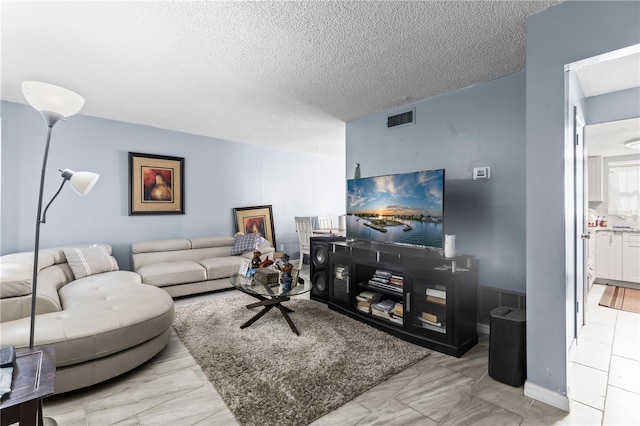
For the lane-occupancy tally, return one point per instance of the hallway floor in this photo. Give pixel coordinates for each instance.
(604, 365)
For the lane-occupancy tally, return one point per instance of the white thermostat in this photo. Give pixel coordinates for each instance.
(481, 173)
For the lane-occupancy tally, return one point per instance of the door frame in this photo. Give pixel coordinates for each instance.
(577, 254)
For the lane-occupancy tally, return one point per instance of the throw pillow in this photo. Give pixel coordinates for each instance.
(262, 242)
(85, 261)
(245, 243)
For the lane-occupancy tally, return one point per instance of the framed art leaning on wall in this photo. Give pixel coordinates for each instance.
(255, 219)
(156, 184)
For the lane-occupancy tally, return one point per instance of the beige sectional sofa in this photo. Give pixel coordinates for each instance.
(103, 321)
(188, 266)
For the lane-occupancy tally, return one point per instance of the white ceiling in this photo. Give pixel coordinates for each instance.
(610, 75)
(281, 74)
(286, 75)
(608, 139)
(616, 71)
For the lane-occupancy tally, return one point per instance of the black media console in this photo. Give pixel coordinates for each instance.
(413, 293)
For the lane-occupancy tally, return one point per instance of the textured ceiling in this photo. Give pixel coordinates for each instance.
(280, 74)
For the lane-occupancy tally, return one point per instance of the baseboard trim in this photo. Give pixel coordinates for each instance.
(483, 329)
(627, 284)
(547, 396)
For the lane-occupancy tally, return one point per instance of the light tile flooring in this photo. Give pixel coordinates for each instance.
(604, 365)
(440, 390)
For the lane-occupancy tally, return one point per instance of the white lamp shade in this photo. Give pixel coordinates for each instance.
(82, 182)
(48, 97)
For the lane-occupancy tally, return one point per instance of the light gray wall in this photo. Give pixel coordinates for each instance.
(560, 35)
(483, 125)
(219, 175)
(613, 106)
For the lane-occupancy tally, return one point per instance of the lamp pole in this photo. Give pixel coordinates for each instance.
(54, 103)
(51, 120)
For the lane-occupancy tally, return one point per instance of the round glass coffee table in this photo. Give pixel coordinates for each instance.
(270, 296)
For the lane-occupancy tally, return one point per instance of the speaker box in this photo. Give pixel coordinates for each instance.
(319, 266)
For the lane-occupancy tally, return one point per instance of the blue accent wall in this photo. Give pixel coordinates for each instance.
(614, 106)
(515, 222)
(560, 35)
(482, 125)
(219, 175)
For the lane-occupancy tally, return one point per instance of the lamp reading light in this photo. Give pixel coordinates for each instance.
(53, 102)
(81, 182)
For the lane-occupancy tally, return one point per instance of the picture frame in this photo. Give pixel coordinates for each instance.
(156, 184)
(244, 269)
(255, 219)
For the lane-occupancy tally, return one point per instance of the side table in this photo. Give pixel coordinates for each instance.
(33, 378)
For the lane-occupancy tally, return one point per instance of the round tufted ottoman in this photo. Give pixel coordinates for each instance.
(109, 324)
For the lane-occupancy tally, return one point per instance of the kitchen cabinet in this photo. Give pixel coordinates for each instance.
(609, 255)
(631, 257)
(594, 179)
(591, 257)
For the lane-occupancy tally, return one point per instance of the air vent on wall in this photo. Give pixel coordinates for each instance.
(400, 119)
(490, 298)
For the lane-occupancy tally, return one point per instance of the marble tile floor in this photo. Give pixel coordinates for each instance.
(440, 390)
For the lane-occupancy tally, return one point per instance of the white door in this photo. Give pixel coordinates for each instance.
(582, 234)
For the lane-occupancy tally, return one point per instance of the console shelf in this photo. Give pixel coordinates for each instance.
(415, 294)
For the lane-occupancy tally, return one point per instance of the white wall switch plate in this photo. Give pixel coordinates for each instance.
(480, 173)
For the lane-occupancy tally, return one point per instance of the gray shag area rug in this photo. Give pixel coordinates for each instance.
(269, 376)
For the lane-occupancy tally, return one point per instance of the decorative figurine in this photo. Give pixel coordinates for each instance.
(256, 262)
(286, 268)
(266, 263)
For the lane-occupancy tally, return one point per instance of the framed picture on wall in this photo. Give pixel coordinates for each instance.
(156, 184)
(255, 219)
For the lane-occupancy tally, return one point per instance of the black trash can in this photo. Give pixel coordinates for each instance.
(508, 345)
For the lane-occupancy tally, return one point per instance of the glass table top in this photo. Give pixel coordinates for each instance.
(251, 285)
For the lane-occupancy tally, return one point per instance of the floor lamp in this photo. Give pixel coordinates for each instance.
(54, 103)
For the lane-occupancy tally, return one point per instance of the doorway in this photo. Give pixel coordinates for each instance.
(581, 85)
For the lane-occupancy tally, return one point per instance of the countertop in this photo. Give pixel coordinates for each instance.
(615, 229)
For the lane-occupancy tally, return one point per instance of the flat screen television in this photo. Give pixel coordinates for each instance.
(404, 209)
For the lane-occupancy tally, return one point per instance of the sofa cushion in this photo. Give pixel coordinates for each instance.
(215, 241)
(172, 273)
(221, 267)
(245, 243)
(160, 245)
(86, 261)
(17, 271)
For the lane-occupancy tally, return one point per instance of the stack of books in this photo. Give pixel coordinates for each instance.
(340, 273)
(397, 313)
(434, 316)
(437, 295)
(431, 318)
(366, 299)
(383, 309)
(387, 280)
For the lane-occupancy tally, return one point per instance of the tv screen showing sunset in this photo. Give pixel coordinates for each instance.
(402, 208)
